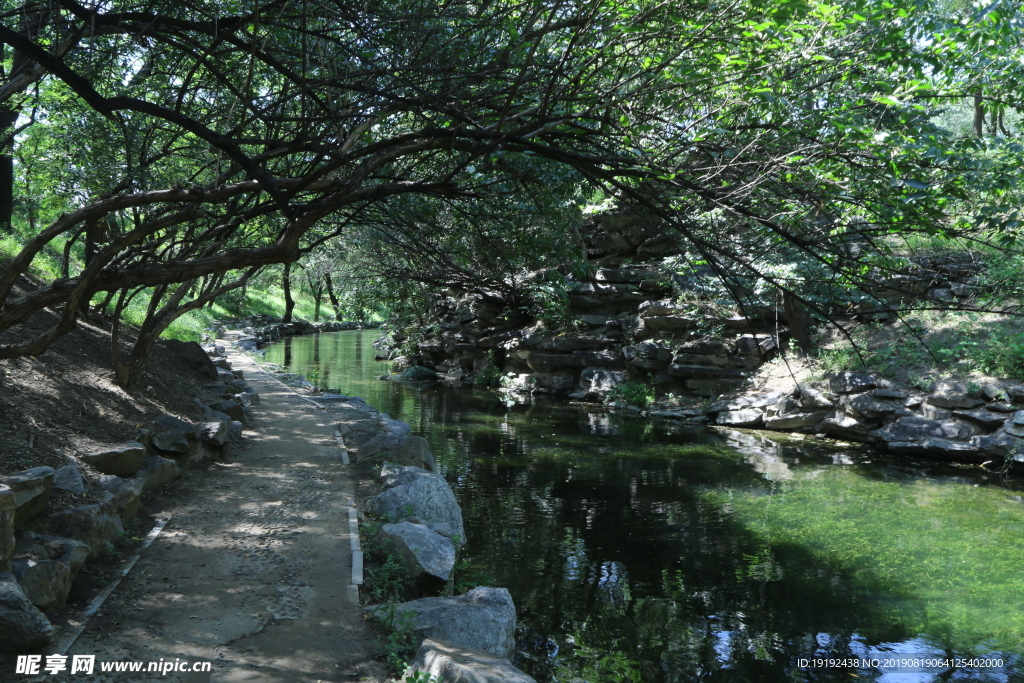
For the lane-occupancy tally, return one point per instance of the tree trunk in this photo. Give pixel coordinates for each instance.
(318, 296)
(332, 296)
(797, 319)
(286, 284)
(979, 115)
(7, 119)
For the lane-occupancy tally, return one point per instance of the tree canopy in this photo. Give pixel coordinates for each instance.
(183, 146)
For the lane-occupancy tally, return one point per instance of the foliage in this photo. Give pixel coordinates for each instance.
(632, 392)
(399, 642)
(491, 376)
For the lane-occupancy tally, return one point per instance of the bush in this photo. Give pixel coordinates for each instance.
(633, 393)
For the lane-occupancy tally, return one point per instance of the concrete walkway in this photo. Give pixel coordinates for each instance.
(252, 573)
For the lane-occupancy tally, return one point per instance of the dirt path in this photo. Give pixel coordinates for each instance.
(252, 571)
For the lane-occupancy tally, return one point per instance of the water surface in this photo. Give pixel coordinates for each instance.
(642, 551)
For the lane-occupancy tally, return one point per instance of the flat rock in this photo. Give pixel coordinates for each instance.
(870, 407)
(31, 491)
(936, 448)
(741, 402)
(23, 626)
(794, 420)
(482, 619)
(423, 551)
(953, 399)
(851, 383)
(811, 398)
(451, 664)
(908, 429)
(843, 426)
(746, 417)
(985, 418)
(1015, 425)
(999, 444)
(122, 461)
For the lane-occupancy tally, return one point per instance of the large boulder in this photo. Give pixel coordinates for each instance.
(421, 494)
(870, 407)
(157, 471)
(425, 553)
(45, 566)
(451, 664)
(96, 524)
(401, 449)
(953, 395)
(744, 417)
(418, 373)
(174, 435)
(31, 491)
(23, 626)
(122, 461)
(8, 505)
(194, 355)
(482, 619)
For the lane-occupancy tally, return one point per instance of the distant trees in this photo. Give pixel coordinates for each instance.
(186, 145)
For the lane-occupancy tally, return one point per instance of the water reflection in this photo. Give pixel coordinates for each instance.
(641, 551)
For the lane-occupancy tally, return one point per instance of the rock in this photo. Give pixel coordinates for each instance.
(426, 495)
(451, 664)
(426, 553)
(934, 412)
(157, 471)
(810, 397)
(851, 383)
(1001, 407)
(1016, 393)
(357, 432)
(23, 626)
(985, 418)
(669, 324)
(418, 373)
(795, 420)
(953, 399)
(942, 294)
(235, 433)
(31, 491)
(552, 362)
(8, 504)
(127, 495)
(95, 524)
(746, 417)
(993, 391)
(598, 382)
(482, 619)
(890, 395)
(761, 345)
(45, 567)
(233, 408)
(908, 429)
(759, 401)
(194, 355)
(1015, 425)
(122, 461)
(400, 449)
(69, 478)
(701, 371)
(934, 447)
(999, 444)
(867, 406)
(621, 276)
(841, 425)
(215, 433)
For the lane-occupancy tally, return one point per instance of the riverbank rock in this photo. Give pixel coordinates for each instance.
(426, 553)
(195, 357)
(917, 428)
(418, 373)
(23, 626)
(452, 664)
(597, 382)
(45, 567)
(401, 449)
(31, 491)
(851, 383)
(418, 493)
(482, 619)
(122, 461)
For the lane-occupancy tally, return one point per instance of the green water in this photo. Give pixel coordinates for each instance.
(641, 551)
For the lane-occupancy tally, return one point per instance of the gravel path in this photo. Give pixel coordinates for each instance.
(252, 571)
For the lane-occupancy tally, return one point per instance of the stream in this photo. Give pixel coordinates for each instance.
(638, 550)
